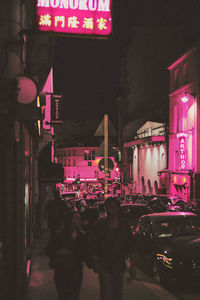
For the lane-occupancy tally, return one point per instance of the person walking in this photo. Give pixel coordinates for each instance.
(111, 243)
(67, 250)
(55, 211)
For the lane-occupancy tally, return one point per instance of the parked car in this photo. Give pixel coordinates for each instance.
(69, 195)
(182, 204)
(132, 197)
(168, 198)
(159, 205)
(132, 212)
(167, 246)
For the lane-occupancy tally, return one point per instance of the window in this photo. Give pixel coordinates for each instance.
(89, 155)
(156, 186)
(143, 185)
(89, 163)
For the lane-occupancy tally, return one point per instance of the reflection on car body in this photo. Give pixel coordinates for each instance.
(131, 212)
(167, 245)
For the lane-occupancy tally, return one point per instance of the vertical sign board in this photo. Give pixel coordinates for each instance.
(56, 109)
(75, 17)
(182, 150)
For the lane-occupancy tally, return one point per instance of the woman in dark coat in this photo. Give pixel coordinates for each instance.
(67, 250)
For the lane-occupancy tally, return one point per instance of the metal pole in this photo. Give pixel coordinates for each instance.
(106, 154)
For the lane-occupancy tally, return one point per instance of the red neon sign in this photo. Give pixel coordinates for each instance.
(182, 150)
(83, 17)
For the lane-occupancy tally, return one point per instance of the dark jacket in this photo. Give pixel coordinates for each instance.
(111, 246)
(78, 251)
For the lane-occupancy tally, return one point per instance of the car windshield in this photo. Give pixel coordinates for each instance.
(176, 227)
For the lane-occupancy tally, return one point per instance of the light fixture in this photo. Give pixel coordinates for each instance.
(184, 99)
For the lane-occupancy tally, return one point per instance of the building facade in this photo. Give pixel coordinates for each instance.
(25, 62)
(83, 163)
(183, 173)
(145, 156)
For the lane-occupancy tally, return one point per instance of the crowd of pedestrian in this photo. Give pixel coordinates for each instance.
(104, 246)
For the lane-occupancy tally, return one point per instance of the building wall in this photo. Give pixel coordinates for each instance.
(147, 161)
(18, 142)
(149, 156)
(184, 130)
(72, 159)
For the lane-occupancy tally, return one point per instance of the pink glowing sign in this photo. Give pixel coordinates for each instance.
(182, 150)
(82, 17)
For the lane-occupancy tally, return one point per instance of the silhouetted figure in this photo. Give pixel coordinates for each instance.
(111, 242)
(67, 250)
(54, 211)
(90, 217)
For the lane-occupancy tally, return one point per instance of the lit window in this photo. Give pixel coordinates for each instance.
(89, 155)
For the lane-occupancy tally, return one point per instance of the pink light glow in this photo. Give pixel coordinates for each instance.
(28, 265)
(88, 179)
(182, 153)
(177, 62)
(184, 99)
(75, 17)
(70, 179)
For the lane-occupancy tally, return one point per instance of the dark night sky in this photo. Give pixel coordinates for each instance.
(87, 71)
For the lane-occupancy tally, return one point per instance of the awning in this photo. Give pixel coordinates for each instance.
(148, 139)
(175, 171)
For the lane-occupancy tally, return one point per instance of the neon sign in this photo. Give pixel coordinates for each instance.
(83, 17)
(182, 153)
(181, 134)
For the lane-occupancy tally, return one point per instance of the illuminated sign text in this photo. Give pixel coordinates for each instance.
(87, 17)
(182, 153)
(93, 5)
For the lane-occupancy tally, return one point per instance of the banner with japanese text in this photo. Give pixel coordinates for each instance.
(81, 17)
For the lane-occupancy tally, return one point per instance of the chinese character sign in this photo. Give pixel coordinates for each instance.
(83, 17)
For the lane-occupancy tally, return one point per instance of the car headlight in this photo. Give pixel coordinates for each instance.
(167, 261)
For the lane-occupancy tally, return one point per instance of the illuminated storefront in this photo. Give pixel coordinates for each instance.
(75, 17)
(149, 154)
(181, 177)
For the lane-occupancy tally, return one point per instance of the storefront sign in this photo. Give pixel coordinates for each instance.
(82, 17)
(56, 109)
(182, 150)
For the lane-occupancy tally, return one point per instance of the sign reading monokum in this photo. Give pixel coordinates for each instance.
(82, 17)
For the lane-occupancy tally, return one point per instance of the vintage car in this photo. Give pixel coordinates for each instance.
(167, 246)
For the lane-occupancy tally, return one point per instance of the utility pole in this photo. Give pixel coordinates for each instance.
(122, 113)
(106, 154)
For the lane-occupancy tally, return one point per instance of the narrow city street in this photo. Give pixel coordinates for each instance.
(41, 285)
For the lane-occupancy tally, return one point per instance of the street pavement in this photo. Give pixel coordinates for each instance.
(41, 284)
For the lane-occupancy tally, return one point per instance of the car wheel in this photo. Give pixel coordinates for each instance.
(156, 273)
